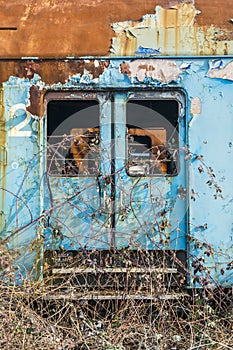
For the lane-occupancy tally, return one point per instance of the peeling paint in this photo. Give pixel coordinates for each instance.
(222, 73)
(195, 106)
(163, 71)
(36, 94)
(172, 31)
(60, 72)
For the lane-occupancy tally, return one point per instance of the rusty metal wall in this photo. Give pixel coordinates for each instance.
(54, 28)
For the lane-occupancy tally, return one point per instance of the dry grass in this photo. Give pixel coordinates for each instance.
(30, 319)
(28, 322)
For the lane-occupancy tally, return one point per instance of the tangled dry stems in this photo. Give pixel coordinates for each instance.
(45, 315)
(31, 320)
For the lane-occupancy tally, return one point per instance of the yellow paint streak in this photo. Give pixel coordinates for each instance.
(2, 164)
(177, 33)
(174, 31)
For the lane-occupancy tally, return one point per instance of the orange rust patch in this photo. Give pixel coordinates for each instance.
(59, 71)
(57, 28)
(36, 100)
(147, 67)
(124, 68)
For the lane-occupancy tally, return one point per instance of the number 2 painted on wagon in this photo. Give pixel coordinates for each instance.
(17, 129)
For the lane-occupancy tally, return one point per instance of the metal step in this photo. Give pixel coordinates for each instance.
(147, 270)
(72, 295)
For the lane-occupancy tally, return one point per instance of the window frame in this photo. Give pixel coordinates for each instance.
(69, 96)
(137, 93)
(171, 94)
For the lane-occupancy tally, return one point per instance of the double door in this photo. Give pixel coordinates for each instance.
(115, 170)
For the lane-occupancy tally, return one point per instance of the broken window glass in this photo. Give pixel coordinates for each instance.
(152, 137)
(73, 137)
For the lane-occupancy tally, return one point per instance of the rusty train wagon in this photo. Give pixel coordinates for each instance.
(118, 163)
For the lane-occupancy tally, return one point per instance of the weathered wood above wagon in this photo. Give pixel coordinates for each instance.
(54, 28)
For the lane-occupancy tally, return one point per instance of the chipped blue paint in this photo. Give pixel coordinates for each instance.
(21, 181)
(200, 219)
(135, 195)
(147, 51)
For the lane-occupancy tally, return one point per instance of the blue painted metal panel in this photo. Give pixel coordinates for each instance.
(210, 135)
(203, 211)
(21, 181)
(150, 214)
(76, 216)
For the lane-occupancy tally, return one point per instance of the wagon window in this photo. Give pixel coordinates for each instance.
(73, 138)
(152, 137)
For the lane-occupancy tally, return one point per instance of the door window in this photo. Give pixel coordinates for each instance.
(73, 137)
(152, 137)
